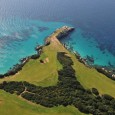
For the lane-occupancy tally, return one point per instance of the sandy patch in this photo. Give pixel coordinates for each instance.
(47, 60)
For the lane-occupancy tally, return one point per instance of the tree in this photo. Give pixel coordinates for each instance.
(95, 91)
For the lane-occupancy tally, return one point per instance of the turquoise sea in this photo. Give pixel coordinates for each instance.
(86, 46)
(20, 41)
(25, 24)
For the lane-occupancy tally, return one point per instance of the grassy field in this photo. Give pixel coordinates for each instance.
(90, 78)
(45, 74)
(39, 74)
(13, 105)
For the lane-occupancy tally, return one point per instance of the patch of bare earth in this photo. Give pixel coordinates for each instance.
(46, 60)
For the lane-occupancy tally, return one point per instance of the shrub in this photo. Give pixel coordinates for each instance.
(108, 97)
(95, 91)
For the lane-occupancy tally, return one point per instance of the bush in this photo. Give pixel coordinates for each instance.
(107, 97)
(68, 91)
(95, 91)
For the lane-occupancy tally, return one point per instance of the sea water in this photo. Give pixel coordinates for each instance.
(25, 24)
(21, 42)
(86, 46)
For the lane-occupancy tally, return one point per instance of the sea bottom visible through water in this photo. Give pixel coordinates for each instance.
(88, 47)
(18, 39)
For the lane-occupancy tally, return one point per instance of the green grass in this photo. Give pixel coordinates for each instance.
(90, 78)
(13, 105)
(46, 75)
(39, 73)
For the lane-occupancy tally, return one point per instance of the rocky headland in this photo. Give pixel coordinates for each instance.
(59, 34)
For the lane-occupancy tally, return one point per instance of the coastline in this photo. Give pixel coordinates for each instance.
(60, 33)
(16, 68)
(88, 62)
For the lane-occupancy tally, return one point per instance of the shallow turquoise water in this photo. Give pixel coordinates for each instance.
(24, 24)
(89, 47)
(20, 42)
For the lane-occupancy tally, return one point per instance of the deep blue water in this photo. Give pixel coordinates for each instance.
(25, 23)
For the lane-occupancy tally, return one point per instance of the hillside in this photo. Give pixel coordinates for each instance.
(46, 74)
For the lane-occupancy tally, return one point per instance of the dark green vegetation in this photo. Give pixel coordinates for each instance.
(106, 72)
(68, 91)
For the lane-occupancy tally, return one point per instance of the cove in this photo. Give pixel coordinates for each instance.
(20, 43)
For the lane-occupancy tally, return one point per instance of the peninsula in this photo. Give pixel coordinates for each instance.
(54, 78)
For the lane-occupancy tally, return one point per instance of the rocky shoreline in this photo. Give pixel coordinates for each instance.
(16, 68)
(89, 62)
(59, 33)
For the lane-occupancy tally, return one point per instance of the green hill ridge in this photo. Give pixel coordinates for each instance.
(44, 72)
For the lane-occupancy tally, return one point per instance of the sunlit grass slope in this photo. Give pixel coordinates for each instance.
(40, 74)
(13, 105)
(45, 74)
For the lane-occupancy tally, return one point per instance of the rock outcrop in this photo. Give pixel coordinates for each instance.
(65, 31)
